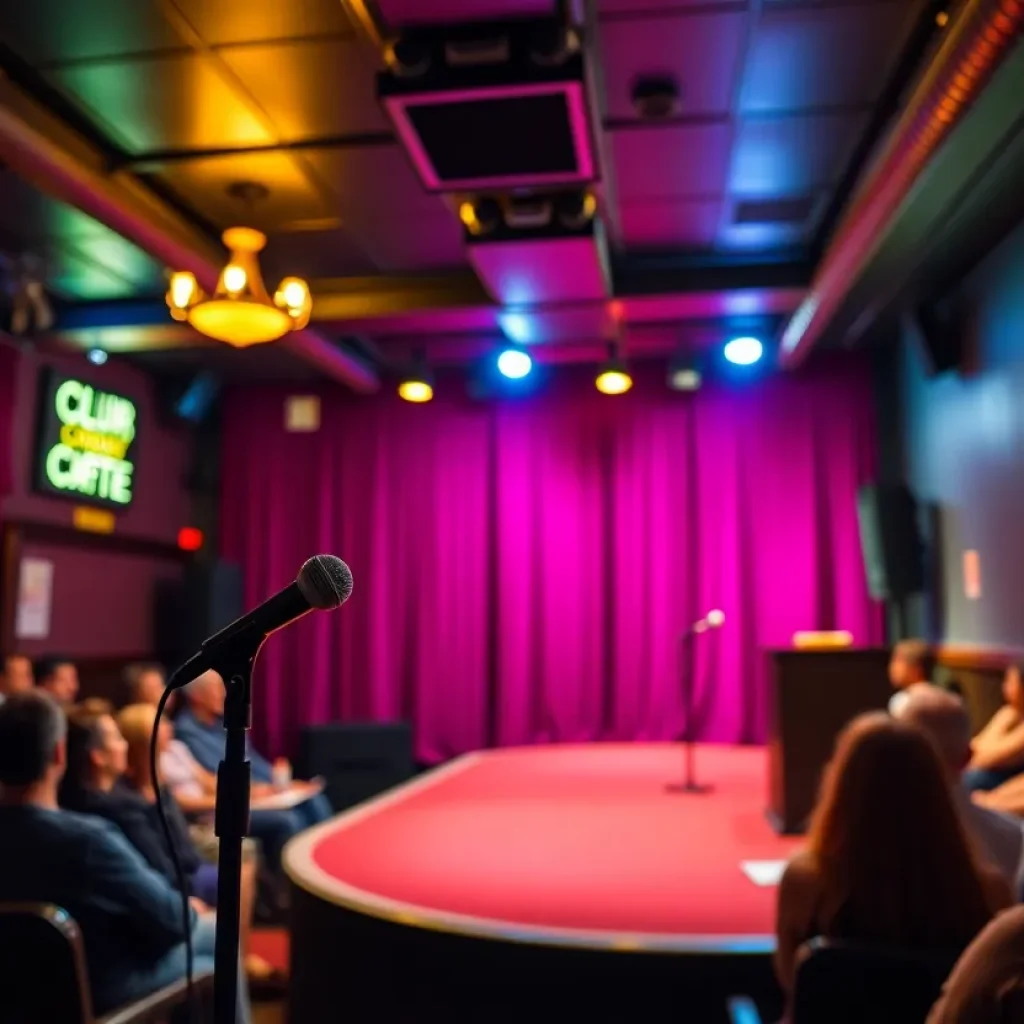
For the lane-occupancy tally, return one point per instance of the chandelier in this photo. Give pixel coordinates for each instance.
(241, 312)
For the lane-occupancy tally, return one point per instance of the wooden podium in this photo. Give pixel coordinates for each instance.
(814, 694)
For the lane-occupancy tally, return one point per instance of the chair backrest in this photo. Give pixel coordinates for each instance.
(850, 983)
(42, 966)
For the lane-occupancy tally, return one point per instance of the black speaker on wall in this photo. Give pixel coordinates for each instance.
(890, 538)
(206, 599)
(941, 336)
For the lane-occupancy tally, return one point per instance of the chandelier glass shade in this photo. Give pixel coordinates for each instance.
(241, 312)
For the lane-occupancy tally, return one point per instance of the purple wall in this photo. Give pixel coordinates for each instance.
(964, 451)
(102, 598)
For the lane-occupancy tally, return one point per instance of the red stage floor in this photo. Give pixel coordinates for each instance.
(565, 844)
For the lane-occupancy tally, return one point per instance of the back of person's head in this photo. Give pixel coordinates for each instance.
(58, 676)
(144, 682)
(136, 723)
(32, 732)
(206, 693)
(943, 718)
(913, 661)
(894, 861)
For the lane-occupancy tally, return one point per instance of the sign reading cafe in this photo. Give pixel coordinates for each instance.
(86, 437)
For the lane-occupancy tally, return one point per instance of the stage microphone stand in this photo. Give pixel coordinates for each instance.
(687, 661)
(231, 822)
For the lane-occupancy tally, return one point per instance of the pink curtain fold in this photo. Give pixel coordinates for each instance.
(525, 567)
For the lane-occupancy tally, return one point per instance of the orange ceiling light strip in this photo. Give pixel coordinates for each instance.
(973, 49)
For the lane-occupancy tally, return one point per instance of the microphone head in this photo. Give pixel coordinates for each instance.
(325, 581)
(715, 618)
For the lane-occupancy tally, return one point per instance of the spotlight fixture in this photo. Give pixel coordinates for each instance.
(613, 378)
(418, 384)
(743, 351)
(481, 216)
(683, 374)
(96, 356)
(656, 97)
(240, 312)
(515, 363)
(575, 209)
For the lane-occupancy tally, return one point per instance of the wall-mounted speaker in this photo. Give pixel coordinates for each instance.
(940, 336)
(890, 539)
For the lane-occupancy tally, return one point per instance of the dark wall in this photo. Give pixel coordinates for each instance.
(103, 593)
(963, 448)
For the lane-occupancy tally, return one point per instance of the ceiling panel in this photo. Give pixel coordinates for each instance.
(793, 155)
(75, 277)
(701, 52)
(249, 21)
(161, 103)
(313, 254)
(113, 253)
(670, 223)
(671, 162)
(762, 237)
(53, 31)
(400, 13)
(319, 87)
(400, 243)
(644, 6)
(824, 56)
(203, 185)
(373, 177)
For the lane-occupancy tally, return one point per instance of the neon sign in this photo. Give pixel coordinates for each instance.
(86, 439)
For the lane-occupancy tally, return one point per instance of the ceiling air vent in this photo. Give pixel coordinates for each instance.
(774, 211)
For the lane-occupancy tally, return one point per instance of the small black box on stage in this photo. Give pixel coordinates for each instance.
(358, 760)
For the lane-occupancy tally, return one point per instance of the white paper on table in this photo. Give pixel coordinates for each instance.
(763, 872)
(287, 798)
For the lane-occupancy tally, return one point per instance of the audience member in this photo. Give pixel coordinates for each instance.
(998, 838)
(58, 677)
(887, 859)
(201, 727)
(912, 661)
(15, 675)
(131, 918)
(999, 747)
(987, 984)
(144, 683)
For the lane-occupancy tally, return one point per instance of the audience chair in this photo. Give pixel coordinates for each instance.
(43, 975)
(850, 983)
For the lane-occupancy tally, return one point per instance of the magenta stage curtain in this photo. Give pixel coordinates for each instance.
(524, 568)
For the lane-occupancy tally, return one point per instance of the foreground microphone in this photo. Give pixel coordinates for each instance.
(324, 582)
(712, 620)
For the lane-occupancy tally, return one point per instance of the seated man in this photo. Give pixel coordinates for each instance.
(999, 747)
(998, 838)
(144, 683)
(200, 727)
(58, 677)
(912, 662)
(131, 918)
(15, 675)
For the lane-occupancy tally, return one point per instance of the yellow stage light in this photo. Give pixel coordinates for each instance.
(613, 382)
(415, 391)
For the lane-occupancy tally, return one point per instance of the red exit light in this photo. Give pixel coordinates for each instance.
(190, 538)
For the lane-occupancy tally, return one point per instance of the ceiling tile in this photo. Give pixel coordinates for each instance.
(398, 243)
(163, 103)
(670, 223)
(824, 56)
(374, 178)
(700, 52)
(313, 88)
(70, 274)
(112, 252)
(428, 12)
(53, 31)
(250, 21)
(671, 161)
(789, 156)
(312, 254)
(634, 7)
(203, 185)
(761, 238)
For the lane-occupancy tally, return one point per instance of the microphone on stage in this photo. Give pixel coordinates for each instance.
(713, 620)
(324, 582)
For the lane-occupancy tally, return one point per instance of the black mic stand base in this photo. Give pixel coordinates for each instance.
(689, 783)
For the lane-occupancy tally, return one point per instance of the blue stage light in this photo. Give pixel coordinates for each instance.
(743, 351)
(514, 363)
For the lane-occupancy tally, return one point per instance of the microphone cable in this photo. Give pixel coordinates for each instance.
(186, 908)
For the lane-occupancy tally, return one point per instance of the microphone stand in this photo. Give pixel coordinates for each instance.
(687, 660)
(231, 824)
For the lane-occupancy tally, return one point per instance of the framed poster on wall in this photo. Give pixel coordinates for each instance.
(35, 599)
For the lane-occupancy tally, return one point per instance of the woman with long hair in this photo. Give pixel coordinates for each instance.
(887, 860)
